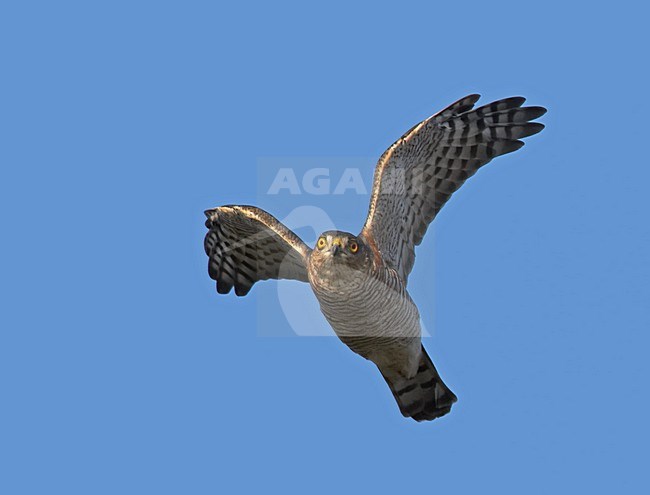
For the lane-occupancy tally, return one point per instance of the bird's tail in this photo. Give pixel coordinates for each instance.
(425, 396)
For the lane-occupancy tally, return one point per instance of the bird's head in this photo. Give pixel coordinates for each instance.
(341, 247)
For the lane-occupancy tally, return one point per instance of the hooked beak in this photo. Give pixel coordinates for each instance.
(337, 246)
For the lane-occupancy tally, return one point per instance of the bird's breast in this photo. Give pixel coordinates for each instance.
(364, 303)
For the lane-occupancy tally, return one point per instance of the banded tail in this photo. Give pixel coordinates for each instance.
(425, 396)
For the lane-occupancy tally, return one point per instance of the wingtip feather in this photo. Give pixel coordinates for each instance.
(534, 112)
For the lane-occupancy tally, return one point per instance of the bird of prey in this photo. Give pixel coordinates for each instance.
(360, 280)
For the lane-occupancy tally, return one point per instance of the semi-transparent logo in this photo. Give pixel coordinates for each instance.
(311, 195)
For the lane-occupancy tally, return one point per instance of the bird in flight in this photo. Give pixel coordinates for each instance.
(360, 280)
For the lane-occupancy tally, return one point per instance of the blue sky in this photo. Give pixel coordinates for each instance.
(121, 369)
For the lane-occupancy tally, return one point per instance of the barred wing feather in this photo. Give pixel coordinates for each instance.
(416, 176)
(245, 244)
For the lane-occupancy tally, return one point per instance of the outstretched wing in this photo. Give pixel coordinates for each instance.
(245, 244)
(416, 176)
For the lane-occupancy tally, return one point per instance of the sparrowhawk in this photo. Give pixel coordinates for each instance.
(360, 280)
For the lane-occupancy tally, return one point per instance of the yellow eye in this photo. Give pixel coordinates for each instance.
(321, 243)
(354, 247)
